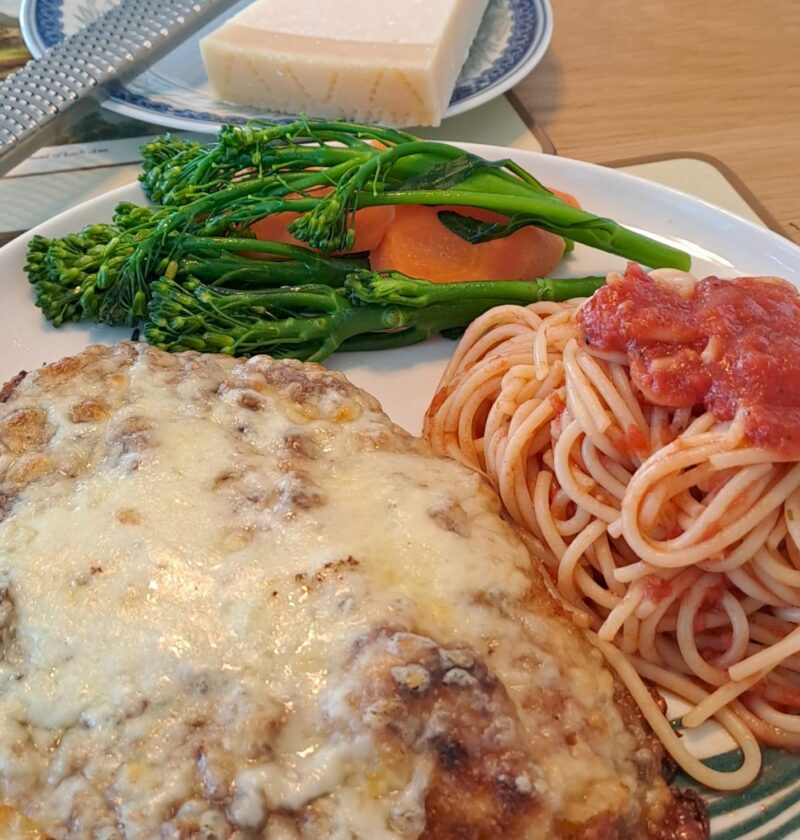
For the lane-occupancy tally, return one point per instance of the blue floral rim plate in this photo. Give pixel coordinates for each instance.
(512, 39)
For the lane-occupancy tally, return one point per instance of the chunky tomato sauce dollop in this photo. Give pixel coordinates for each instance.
(730, 345)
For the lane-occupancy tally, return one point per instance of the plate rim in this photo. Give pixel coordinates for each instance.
(167, 116)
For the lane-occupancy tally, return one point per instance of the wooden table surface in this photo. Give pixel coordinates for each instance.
(631, 78)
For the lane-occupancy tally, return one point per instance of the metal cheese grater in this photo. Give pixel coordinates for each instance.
(120, 44)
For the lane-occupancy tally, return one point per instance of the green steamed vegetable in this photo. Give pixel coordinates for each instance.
(372, 311)
(249, 295)
(271, 164)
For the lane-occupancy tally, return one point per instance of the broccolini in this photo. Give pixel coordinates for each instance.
(372, 311)
(192, 265)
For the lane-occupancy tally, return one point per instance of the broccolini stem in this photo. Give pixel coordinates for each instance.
(551, 214)
(307, 323)
(305, 131)
(194, 244)
(248, 274)
(234, 261)
(392, 287)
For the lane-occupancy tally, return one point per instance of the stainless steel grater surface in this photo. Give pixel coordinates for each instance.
(120, 44)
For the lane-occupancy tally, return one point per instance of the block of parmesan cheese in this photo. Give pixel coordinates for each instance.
(386, 61)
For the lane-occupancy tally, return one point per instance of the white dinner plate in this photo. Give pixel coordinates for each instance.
(404, 380)
(512, 39)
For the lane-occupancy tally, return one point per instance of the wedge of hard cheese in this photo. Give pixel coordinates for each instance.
(367, 60)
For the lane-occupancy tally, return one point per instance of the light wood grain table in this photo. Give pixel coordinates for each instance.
(631, 78)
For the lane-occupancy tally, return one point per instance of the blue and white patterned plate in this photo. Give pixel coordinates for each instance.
(513, 37)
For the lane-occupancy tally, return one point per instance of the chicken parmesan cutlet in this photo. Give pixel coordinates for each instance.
(237, 602)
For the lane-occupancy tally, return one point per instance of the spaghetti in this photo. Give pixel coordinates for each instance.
(673, 535)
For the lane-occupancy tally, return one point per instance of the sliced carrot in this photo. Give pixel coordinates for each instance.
(370, 223)
(418, 244)
(566, 197)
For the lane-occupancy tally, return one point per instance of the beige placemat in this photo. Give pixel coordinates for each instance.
(704, 177)
(501, 122)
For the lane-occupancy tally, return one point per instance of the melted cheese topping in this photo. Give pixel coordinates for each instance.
(223, 590)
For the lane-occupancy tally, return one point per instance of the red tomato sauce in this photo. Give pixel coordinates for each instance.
(655, 588)
(730, 346)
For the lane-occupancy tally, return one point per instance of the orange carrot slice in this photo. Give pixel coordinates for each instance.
(566, 197)
(419, 245)
(371, 224)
